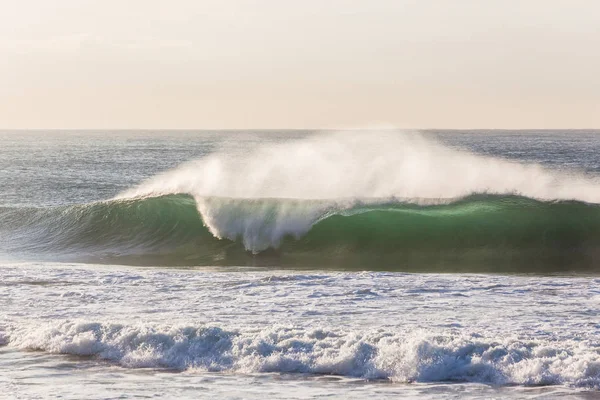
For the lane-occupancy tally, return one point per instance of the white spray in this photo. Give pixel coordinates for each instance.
(341, 169)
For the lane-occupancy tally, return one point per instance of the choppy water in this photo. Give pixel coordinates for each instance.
(312, 264)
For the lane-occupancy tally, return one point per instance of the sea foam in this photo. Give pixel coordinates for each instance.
(413, 356)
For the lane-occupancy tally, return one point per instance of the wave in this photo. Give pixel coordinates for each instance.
(351, 200)
(412, 356)
(477, 233)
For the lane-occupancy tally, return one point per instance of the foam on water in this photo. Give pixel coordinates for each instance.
(499, 330)
(417, 356)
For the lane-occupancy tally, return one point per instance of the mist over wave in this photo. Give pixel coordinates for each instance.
(349, 165)
(343, 170)
(353, 199)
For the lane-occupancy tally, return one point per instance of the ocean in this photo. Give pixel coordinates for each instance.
(299, 264)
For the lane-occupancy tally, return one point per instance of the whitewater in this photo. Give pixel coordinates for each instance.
(299, 264)
(331, 332)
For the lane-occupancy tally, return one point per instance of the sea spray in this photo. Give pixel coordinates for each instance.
(350, 165)
(389, 200)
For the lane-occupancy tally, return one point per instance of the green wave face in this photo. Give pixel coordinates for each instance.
(481, 233)
(476, 234)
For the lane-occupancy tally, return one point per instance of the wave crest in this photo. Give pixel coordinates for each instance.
(355, 200)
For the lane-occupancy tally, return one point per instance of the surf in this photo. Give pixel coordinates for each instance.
(377, 354)
(393, 201)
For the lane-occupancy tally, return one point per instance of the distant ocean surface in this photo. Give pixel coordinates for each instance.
(299, 264)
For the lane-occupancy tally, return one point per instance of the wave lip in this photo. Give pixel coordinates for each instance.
(418, 356)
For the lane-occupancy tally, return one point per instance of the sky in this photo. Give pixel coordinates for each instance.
(236, 64)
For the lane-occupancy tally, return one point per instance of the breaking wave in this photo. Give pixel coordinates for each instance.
(417, 356)
(480, 232)
(386, 201)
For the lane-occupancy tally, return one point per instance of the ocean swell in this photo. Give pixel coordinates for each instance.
(480, 232)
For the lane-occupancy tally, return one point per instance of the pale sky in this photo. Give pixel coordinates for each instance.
(68, 64)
